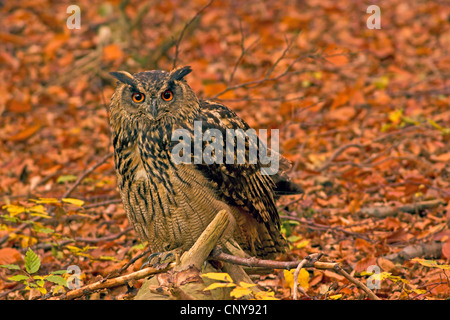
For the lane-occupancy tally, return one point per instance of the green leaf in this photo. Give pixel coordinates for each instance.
(57, 279)
(59, 272)
(18, 277)
(293, 238)
(66, 178)
(10, 266)
(32, 261)
(40, 228)
(40, 283)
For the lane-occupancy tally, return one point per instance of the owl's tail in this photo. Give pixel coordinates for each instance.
(258, 239)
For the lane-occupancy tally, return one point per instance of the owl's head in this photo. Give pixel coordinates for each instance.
(153, 95)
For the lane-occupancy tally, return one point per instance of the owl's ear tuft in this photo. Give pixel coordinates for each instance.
(180, 73)
(124, 77)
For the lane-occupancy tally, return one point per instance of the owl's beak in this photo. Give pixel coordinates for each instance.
(154, 109)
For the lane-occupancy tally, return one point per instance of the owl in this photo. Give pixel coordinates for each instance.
(169, 202)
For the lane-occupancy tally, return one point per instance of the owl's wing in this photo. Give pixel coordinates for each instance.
(243, 185)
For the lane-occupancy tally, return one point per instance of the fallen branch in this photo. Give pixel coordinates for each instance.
(386, 211)
(424, 250)
(110, 283)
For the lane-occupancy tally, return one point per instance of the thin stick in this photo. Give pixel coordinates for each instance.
(85, 174)
(357, 283)
(266, 78)
(243, 52)
(177, 45)
(115, 282)
(296, 272)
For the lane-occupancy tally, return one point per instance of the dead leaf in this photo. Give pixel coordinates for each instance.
(446, 249)
(25, 134)
(19, 106)
(112, 52)
(9, 256)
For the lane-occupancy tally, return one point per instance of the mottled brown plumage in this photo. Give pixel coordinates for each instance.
(170, 204)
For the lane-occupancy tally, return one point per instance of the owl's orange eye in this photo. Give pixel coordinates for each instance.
(138, 97)
(167, 95)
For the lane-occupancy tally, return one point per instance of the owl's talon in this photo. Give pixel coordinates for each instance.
(160, 260)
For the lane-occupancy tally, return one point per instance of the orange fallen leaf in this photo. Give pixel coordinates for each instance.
(445, 157)
(446, 249)
(338, 60)
(112, 52)
(9, 256)
(342, 114)
(341, 99)
(25, 134)
(18, 106)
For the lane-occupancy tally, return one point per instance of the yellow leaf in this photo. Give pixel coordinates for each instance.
(246, 285)
(216, 285)
(240, 292)
(46, 200)
(39, 211)
(302, 244)
(13, 209)
(76, 202)
(420, 291)
(431, 264)
(289, 278)
(381, 82)
(396, 116)
(42, 290)
(222, 276)
(335, 297)
(303, 278)
(73, 248)
(265, 295)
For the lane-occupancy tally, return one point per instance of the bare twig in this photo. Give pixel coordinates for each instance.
(110, 283)
(266, 78)
(243, 52)
(283, 54)
(297, 271)
(357, 283)
(177, 45)
(85, 174)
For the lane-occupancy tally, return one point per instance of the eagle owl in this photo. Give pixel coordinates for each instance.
(171, 203)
